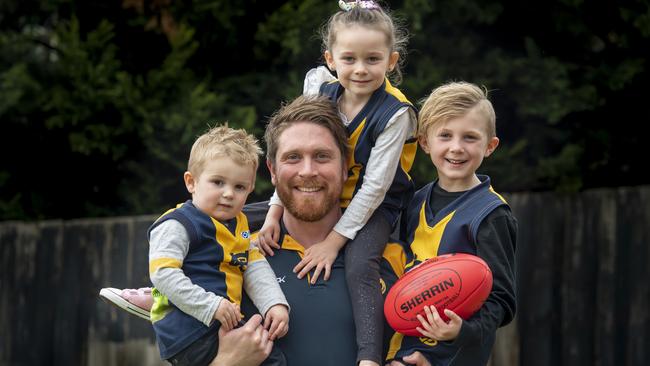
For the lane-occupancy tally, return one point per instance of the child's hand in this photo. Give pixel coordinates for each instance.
(227, 314)
(269, 234)
(436, 328)
(277, 321)
(321, 255)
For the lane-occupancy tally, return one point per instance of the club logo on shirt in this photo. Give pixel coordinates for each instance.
(246, 234)
(428, 341)
(239, 260)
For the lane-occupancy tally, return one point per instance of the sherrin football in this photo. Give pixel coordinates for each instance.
(459, 282)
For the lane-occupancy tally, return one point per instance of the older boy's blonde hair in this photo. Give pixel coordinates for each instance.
(220, 141)
(454, 100)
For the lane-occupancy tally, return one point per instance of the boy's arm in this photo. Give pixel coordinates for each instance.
(496, 240)
(379, 173)
(261, 285)
(168, 246)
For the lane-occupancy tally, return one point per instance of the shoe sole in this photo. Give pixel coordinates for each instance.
(112, 296)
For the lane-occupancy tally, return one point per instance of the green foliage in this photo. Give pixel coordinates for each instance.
(104, 100)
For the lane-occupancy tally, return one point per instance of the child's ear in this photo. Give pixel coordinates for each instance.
(329, 59)
(492, 145)
(424, 144)
(189, 182)
(392, 60)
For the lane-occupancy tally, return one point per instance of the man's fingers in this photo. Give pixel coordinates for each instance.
(267, 343)
(253, 323)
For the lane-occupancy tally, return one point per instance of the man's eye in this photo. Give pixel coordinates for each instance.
(323, 156)
(218, 182)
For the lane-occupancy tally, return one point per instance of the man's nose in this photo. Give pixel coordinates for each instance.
(308, 168)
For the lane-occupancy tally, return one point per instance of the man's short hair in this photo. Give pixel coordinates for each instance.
(318, 110)
(223, 141)
(454, 100)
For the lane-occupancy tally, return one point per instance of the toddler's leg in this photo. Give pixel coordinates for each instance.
(362, 257)
(199, 353)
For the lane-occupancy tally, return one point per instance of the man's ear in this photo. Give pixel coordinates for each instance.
(329, 60)
(492, 145)
(269, 165)
(188, 178)
(424, 144)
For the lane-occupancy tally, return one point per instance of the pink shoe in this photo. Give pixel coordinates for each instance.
(137, 302)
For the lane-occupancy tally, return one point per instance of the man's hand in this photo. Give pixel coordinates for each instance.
(246, 346)
(321, 255)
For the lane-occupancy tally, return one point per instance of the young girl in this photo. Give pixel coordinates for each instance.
(362, 45)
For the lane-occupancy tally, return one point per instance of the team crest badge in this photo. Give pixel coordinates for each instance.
(246, 234)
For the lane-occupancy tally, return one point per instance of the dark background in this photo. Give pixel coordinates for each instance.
(101, 100)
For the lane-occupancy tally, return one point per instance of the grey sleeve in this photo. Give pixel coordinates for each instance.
(262, 287)
(170, 241)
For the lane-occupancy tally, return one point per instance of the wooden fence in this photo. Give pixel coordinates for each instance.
(583, 293)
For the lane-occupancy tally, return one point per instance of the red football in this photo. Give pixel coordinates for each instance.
(459, 282)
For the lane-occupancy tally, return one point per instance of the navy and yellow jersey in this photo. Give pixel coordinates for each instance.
(453, 229)
(215, 261)
(321, 330)
(363, 132)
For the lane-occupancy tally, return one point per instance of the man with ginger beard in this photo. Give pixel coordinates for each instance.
(306, 155)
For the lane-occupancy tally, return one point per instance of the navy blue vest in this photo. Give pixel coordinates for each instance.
(363, 131)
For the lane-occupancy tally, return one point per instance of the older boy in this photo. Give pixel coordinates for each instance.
(460, 212)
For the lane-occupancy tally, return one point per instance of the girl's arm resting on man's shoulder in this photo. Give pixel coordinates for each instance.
(170, 240)
(379, 173)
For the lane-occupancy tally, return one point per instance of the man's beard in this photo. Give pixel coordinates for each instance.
(309, 209)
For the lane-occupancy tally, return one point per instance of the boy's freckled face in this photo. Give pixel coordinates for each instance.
(457, 148)
(222, 187)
